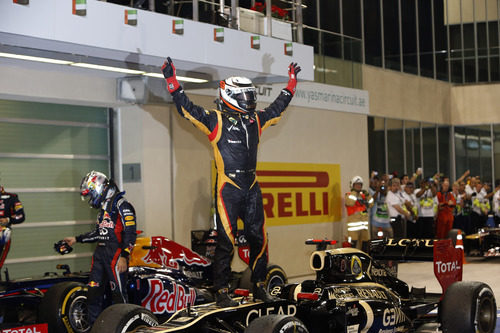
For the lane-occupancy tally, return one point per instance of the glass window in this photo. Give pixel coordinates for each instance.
(425, 36)
(373, 38)
(330, 15)
(391, 34)
(441, 40)
(409, 26)
(429, 149)
(456, 53)
(469, 53)
(496, 155)
(395, 148)
(412, 133)
(473, 151)
(351, 18)
(332, 45)
(444, 150)
(376, 144)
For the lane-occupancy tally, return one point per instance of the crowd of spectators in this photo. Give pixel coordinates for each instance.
(429, 207)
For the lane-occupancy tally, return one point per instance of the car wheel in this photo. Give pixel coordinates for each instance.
(122, 318)
(64, 308)
(468, 306)
(275, 276)
(276, 324)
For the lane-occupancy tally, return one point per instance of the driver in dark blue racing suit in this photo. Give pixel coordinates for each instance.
(234, 131)
(115, 234)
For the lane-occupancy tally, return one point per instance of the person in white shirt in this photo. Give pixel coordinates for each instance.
(427, 208)
(395, 207)
(480, 207)
(496, 206)
(411, 205)
(380, 221)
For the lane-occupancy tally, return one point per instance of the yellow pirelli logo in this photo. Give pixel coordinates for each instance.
(128, 224)
(129, 218)
(300, 193)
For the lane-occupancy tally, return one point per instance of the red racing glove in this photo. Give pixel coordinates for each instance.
(293, 70)
(168, 70)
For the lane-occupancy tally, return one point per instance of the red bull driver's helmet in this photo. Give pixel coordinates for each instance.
(238, 94)
(94, 186)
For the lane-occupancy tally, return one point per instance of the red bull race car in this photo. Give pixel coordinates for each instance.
(352, 292)
(164, 277)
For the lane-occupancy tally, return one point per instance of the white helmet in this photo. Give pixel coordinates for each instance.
(238, 94)
(356, 179)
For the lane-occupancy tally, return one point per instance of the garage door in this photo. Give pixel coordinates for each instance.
(45, 151)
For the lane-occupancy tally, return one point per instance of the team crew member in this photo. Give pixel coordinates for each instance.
(234, 131)
(115, 234)
(447, 203)
(357, 203)
(11, 212)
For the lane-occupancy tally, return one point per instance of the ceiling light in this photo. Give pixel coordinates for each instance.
(179, 78)
(31, 58)
(107, 68)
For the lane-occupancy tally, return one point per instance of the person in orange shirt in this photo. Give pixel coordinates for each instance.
(447, 203)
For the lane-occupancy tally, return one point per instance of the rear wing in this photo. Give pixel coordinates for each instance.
(448, 260)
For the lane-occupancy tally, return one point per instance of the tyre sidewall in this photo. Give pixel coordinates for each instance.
(121, 318)
(459, 308)
(57, 304)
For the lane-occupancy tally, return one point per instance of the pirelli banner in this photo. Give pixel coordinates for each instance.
(299, 193)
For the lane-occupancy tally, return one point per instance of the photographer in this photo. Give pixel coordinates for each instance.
(357, 203)
(410, 204)
(381, 222)
(427, 204)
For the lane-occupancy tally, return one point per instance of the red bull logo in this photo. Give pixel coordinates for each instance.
(167, 253)
(160, 300)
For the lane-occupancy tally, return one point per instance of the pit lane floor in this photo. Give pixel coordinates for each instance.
(421, 274)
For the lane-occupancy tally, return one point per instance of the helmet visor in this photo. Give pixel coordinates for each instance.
(247, 99)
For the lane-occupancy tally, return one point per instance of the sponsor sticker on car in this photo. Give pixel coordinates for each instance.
(38, 328)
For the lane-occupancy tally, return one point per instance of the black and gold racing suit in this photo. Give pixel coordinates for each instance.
(235, 139)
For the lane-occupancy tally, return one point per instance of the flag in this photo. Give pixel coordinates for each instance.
(131, 16)
(255, 42)
(80, 7)
(178, 27)
(219, 34)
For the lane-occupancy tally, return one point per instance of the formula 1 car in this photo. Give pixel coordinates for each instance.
(164, 277)
(485, 243)
(351, 293)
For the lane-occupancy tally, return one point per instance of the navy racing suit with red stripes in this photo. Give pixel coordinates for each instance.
(235, 139)
(11, 209)
(115, 234)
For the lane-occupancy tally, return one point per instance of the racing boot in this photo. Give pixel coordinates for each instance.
(260, 292)
(223, 300)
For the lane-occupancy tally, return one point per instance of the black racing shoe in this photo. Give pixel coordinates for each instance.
(223, 300)
(260, 292)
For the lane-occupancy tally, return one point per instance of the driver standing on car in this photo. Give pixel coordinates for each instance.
(115, 234)
(234, 131)
(11, 212)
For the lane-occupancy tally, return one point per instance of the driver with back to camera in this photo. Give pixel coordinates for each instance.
(115, 234)
(234, 131)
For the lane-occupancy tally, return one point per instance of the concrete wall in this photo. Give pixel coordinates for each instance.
(404, 96)
(475, 104)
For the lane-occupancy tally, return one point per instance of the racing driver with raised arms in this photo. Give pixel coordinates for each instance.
(234, 131)
(115, 235)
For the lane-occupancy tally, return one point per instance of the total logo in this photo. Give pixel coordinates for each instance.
(160, 300)
(40, 328)
(445, 267)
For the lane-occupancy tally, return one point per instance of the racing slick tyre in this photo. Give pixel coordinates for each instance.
(275, 276)
(468, 306)
(276, 324)
(64, 308)
(122, 318)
